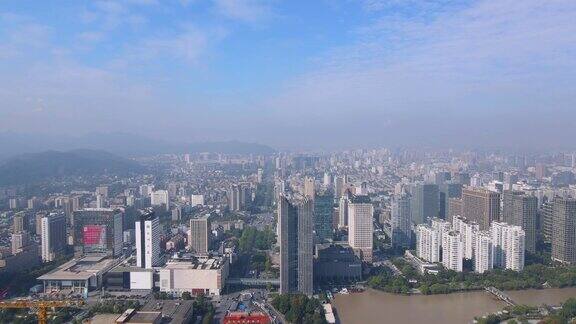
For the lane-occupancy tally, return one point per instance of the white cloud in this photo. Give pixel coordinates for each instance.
(250, 11)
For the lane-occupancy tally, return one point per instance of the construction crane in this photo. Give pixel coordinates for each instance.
(40, 306)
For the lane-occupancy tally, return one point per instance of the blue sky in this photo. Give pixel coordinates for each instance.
(290, 73)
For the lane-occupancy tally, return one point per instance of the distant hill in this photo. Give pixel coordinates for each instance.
(122, 144)
(36, 167)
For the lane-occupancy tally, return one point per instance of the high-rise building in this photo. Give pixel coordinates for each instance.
(454, 208)
(309, 190)
(452, 251)
(481, 206)
(508, 246)
(467, 230)
(440, 226)
(19, 222)
(401, 221)
(295, 224)
(339, 186)
(425, 203)
(102, 191)
(323, 209)
(483, 257)
(564, 230)
(343, 211)
(448, 190)
(147, 232)
(199, 239)
(361, 226)
(521, 209)
(19, 241)
(53, 236)
(160, 198)
(327, 181)
(427, 243)
(98, 230)
(546, 219)
(239, 196)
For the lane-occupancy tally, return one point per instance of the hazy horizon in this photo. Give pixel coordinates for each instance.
(294, 74)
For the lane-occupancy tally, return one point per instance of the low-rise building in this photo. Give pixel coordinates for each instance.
(78, 276)
(204, 275)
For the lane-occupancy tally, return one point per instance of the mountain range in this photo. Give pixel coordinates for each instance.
(121, 144)
(32, 168)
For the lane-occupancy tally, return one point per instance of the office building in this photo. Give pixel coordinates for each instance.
(481, 206)
(401, 221)
(98, 230)
(425, 203)
(361, 226)
(160, 198)
(295, 225)
(323, 209)
(427, 243)
(564, 230)
(454, 208)
(521, 209)
(452, 251)
(199, 238)
(483, 257)
(53, 236)
(147, 232)
(309, 190)
(448, 190)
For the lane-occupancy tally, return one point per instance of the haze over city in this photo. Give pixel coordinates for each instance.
(294, 74)
(288, 161)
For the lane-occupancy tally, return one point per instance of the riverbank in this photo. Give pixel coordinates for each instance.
(374, 306)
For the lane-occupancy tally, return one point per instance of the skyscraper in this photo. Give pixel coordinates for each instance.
(425, 203)
(521, 209)
(361, 226)
(401, 221)
(564, 230)
(481, 206)
(323, 209)
(199, 239)
(296, 245)
(53, 237)
(343, 211)
(147, 230)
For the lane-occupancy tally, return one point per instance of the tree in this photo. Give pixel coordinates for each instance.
(186, 295)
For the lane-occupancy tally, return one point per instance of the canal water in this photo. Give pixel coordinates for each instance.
(374, 306)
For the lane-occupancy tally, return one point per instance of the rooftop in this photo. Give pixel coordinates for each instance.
(80, 269)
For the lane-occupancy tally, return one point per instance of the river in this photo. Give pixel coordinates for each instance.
(379, 307)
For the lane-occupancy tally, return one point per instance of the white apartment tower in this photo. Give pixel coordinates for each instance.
(452, 251)
(427, 243)
(483, 257)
